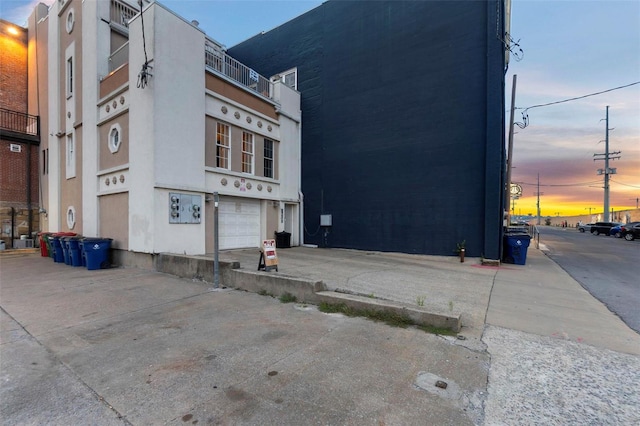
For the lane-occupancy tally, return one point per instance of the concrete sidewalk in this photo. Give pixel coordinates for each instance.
(130, 346)
(539, 297)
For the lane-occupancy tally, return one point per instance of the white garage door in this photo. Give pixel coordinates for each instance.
(239, 223)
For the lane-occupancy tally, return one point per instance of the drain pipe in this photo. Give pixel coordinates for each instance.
(300, 194)
(216, 263)
(13, 225)
(29, 212)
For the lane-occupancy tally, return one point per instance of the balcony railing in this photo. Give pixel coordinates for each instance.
(121, 13)
(19, 122)
(119, 57)
(218, 61)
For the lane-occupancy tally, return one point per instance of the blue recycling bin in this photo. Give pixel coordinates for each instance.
(64, 242)
(96, 252)
(58, 247)
(515, 248)
(73, 247)
(58, 253)
(83, 257)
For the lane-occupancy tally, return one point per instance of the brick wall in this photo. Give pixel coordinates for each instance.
(13, 67)
(13, 175)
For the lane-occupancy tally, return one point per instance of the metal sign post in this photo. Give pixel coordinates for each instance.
(216, 264)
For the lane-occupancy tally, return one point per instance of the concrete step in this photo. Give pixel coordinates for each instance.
(418, 315)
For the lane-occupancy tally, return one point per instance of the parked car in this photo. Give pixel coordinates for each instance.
(585, 227)
(616, 231)
(603, 227)
(630, 231)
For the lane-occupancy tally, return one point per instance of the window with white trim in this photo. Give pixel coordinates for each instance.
(45, 161)
(115, 138)
(69, 76)
(223, 146)
(71, 157)
(70, 21)
(290, 78)
(71, 217)
(268, 158)
(247, 152)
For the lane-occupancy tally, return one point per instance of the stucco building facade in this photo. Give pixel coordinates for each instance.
(147, 118)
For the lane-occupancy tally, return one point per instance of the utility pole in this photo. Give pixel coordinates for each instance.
(538, 194)
(606, 171)
(510, 150)
(589, 208)
(637, 200)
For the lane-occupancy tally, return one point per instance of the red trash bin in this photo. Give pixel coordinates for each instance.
(44, 250)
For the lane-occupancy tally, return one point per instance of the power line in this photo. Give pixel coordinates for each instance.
(525, 116)
(580, 97)
(558, 185)
(625, 184)
(576, 184)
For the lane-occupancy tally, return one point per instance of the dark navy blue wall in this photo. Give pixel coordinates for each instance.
(403, 118)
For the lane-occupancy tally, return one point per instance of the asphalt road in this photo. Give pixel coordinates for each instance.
(608, 267)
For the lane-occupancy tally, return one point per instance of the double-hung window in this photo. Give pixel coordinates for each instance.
(69, 77)
(247, 152)
(223, 147)
(268, 158)
(71, 157)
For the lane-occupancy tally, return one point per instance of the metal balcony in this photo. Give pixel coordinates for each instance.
(218, 61)
(19, 126)
(121, 14)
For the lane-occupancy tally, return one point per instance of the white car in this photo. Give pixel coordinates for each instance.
(585, 227)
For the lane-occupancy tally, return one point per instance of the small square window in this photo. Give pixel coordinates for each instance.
(289, 78)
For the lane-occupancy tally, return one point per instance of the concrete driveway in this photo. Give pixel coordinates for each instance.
(128, 346)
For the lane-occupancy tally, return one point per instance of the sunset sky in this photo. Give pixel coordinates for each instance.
(570, 49)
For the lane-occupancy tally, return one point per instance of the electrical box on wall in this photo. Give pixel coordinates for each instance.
(326, 220)
(184, 208)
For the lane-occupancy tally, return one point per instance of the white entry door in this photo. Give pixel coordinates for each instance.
(239, 223)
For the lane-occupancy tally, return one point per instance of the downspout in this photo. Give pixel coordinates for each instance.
(30, 213)
(300, 194)
(13, 225)
(40, 154)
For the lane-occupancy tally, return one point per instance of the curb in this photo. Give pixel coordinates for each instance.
(418, 316)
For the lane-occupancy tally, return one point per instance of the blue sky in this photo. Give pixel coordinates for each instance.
(571, 48)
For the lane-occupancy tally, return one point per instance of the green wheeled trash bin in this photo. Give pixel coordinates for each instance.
(515, 248)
